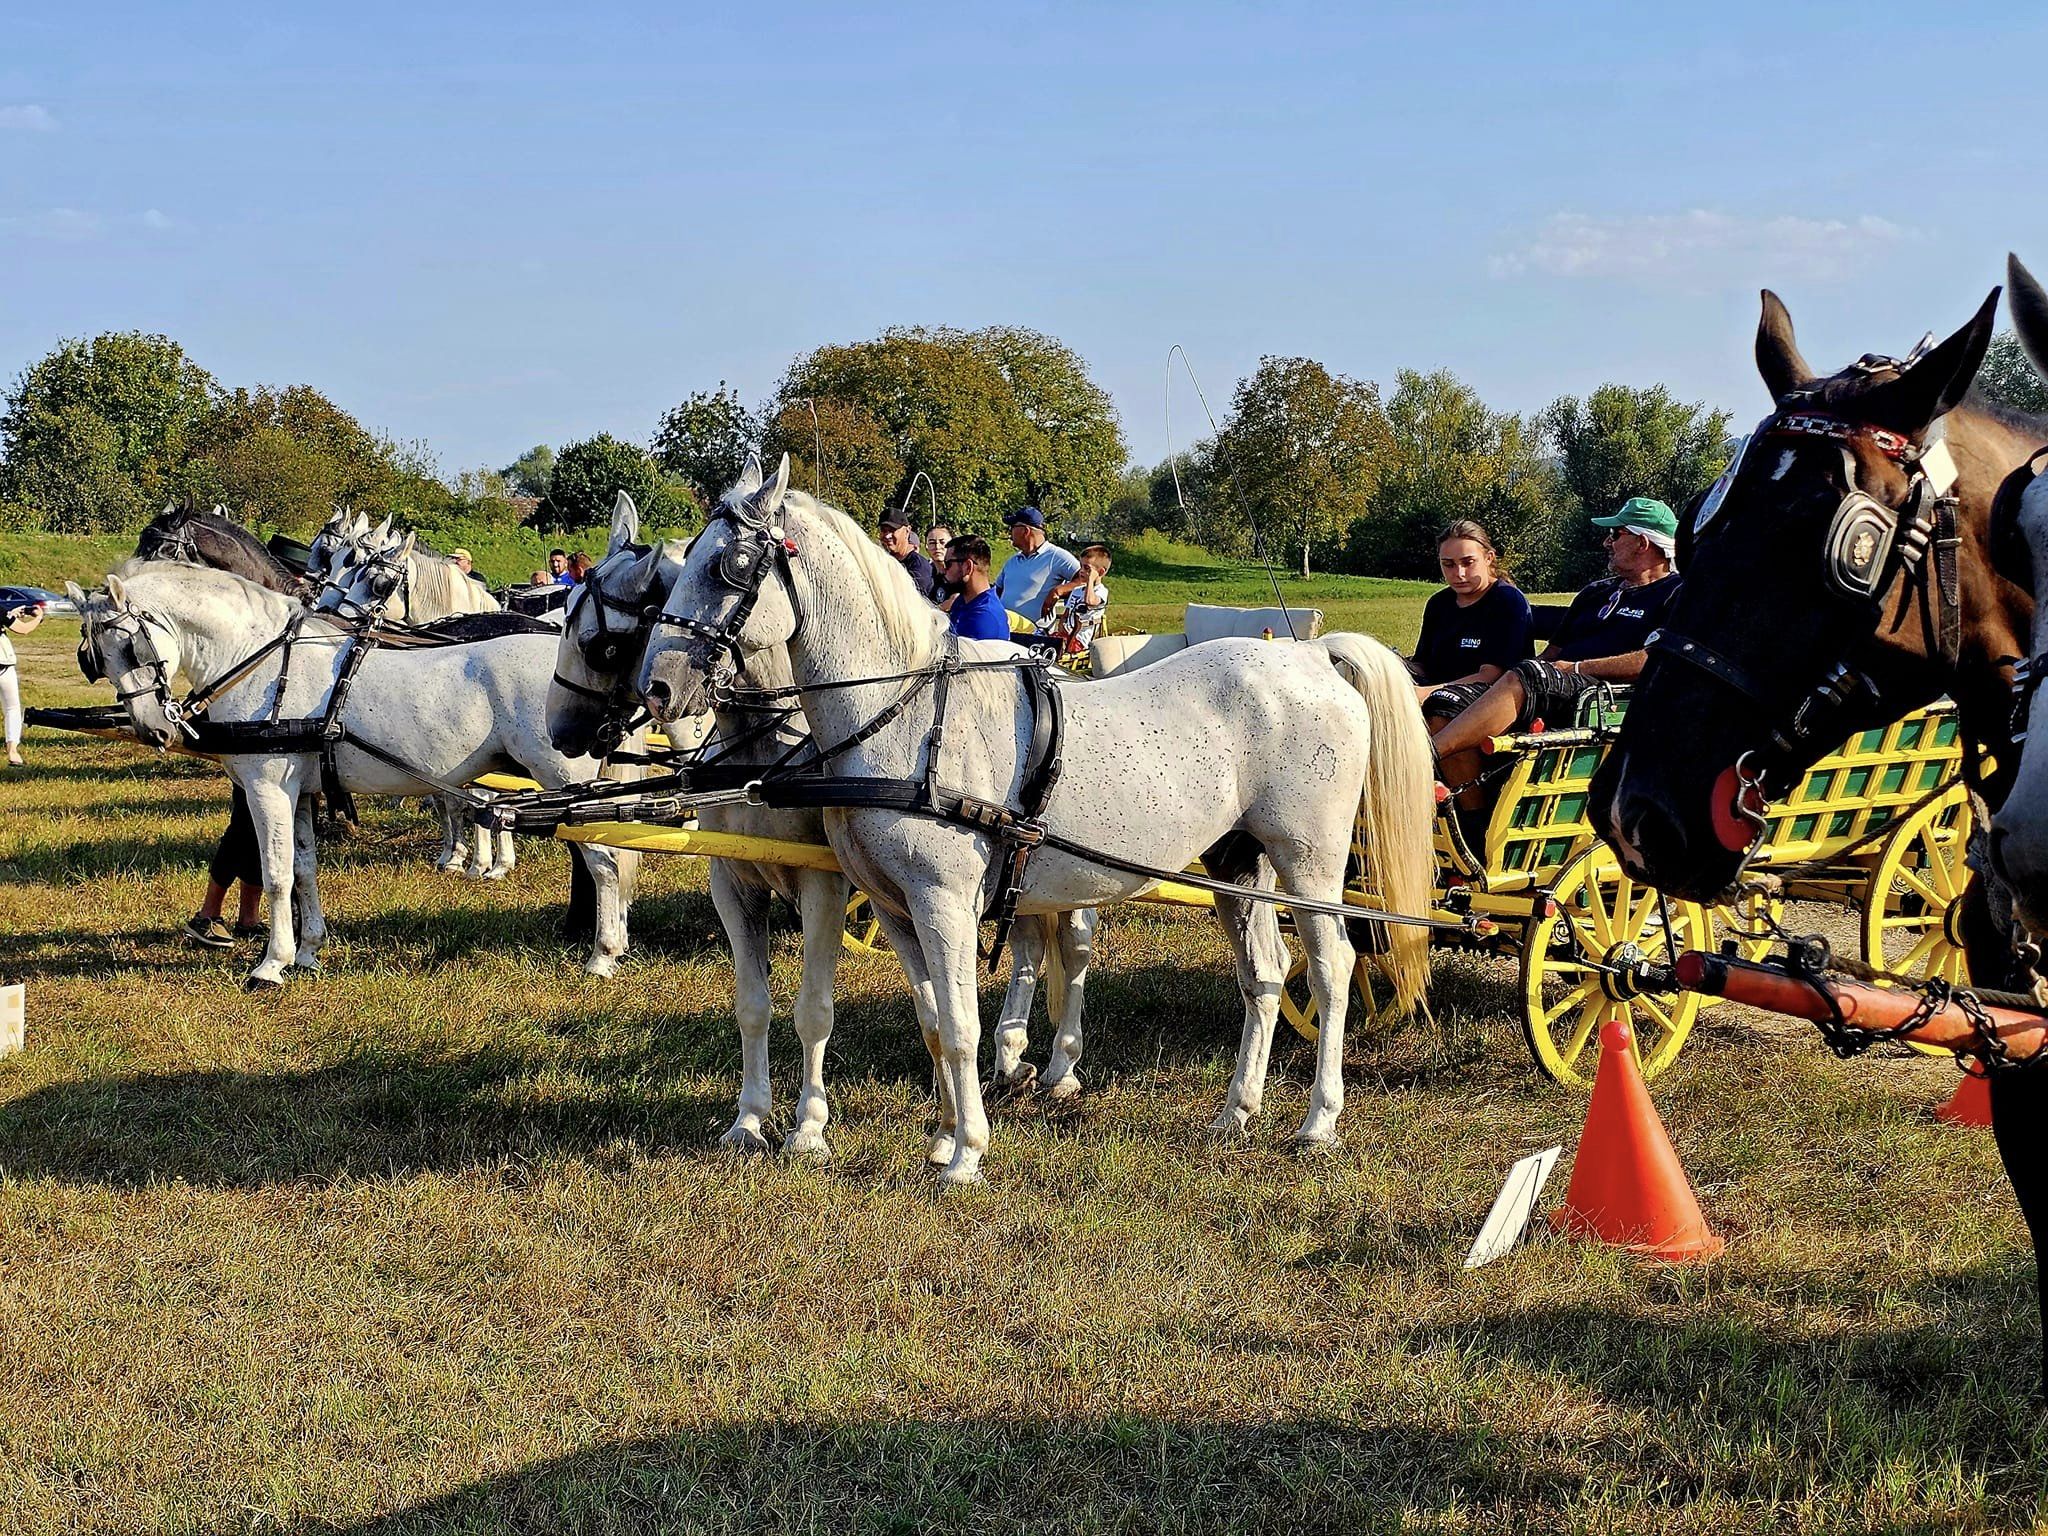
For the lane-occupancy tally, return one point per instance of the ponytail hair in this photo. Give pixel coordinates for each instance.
(1466, 528)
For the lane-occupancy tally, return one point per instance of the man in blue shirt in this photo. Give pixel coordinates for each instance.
(977, 613)
(1027, 578)
(558, 568)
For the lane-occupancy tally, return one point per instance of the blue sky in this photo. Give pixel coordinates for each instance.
(490, 226)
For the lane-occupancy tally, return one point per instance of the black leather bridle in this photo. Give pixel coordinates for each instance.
(757, 547)
(1868, 545)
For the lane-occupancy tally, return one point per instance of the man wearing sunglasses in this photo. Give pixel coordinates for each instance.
(977, 613)
(1600, 641)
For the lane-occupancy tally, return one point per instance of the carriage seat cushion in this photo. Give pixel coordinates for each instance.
(1111, 654)
(1207, 622)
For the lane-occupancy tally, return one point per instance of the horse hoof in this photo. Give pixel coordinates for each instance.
(1001, 1088)
(495, 874)
(961, 1178)
(744, 1140)
(940, 1153)
(259, 983)
(601, 967)
(1307, 1145)
(1229, 1131)
(303, 970)
(1062, 1089)
(810, 1144)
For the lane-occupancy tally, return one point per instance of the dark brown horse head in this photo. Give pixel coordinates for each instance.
(1811, 605)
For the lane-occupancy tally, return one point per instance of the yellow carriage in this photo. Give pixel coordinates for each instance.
(1877, 826)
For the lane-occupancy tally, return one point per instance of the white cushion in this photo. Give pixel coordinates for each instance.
(1207, 622)
(1111, 654)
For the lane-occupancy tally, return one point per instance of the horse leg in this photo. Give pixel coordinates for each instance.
(2019, 1101)
(821, 898)
(904, 942)
(1252, 929)
(609, 874)
(948, 929)
(743, 909)
(306, 889)
(508, 854)
(1066, 974)
(273, 807)
(450, 859)
(1029, 940)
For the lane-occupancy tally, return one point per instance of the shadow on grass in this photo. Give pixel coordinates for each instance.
(369, 1115)
(870, 1477)
(86, 858)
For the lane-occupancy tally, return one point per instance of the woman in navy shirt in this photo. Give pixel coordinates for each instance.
(1479, 625)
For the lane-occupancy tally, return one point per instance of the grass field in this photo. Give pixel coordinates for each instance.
(443, 1242)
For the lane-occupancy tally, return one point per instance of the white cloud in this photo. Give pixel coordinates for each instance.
(156, 218)
(28, 118)
(54, 224)
(1686, 248)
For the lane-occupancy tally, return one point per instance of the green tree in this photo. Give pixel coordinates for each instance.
(705, 442)
(1299, 447)
(2007, 377)
(287, 458)
(1620, 442)
(531, 472)
(589, 475)
(1448, 456)
(93, 435)
(996, 418)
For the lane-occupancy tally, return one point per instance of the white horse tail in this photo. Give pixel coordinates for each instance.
(1399, 806)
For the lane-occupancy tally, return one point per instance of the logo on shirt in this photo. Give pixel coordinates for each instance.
(1612, 607)
(1468, 642)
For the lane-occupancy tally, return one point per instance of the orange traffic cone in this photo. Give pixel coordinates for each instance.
(1627, 1186)
(1970, 1104)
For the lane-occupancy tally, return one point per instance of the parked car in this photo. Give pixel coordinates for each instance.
(27, 597)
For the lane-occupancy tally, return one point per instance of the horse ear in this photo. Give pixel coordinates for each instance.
(625, 524)
(384, 530)
(77, 595)
(1933, 387)
(2028, 303)
(773, 492)
(405, 548)
(1777, 354)
(117, 590)
(750, 477)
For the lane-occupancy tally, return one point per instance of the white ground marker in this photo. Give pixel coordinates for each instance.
(1513, 1207)
(13, 1018)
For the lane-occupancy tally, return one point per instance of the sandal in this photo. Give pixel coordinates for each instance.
(209, 931)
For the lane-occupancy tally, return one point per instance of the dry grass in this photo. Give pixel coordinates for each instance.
(443, 1243)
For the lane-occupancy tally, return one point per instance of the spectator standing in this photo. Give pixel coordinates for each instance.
(17, 621)
(936, 538)
(580, 566)
(900, 539)
(235, 858)
(1027, 578)
(558, 568)
(977, 612)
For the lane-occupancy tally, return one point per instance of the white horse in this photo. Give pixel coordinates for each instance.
(447, 713)
(1252, 756)
(602, 639)
(368, 575)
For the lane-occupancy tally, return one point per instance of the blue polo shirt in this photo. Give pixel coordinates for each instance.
(981, 618)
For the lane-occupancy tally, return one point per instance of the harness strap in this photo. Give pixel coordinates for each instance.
(1042, 768)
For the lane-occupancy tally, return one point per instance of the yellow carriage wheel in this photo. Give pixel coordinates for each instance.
(1606, 918)
(863, 932)
(1910, 907)
(1751, 921)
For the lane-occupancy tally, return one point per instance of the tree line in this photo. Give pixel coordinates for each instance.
(1320, 471)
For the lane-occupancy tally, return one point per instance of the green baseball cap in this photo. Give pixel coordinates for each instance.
(1645, 512)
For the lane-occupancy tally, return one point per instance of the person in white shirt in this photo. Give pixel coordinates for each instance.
(1024, 584)
(18, 621)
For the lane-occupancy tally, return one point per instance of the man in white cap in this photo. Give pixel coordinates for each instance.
(1600, 641)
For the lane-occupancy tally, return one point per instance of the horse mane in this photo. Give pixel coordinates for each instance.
(912, 624)
(434, 579)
